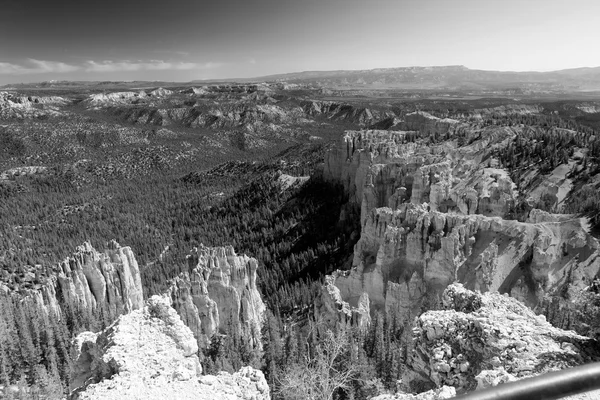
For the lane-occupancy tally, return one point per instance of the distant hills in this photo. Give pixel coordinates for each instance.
(448, 77)
(456, 77)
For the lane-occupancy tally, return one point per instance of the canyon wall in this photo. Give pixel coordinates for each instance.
(438, 212)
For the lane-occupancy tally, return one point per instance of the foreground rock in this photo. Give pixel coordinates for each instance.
(482, 340)
(446, 392)
(150, 354)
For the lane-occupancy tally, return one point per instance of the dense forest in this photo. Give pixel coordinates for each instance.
(292, 231)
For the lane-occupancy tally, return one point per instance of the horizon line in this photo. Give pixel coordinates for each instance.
(282, 74)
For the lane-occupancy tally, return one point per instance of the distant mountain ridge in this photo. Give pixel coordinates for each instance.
(448, 77)
(454, 77)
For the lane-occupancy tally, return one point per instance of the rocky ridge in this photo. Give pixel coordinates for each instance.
(255, 108)
(337, 111)
(13, 105)
(220, 290)
(107, 281)
(435, 213)
(150, 354)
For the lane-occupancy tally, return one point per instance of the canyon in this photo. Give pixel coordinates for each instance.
(455, 219)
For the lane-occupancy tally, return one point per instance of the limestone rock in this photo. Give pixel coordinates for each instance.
(161, 92)
(481, 340)
(220, 290)
(432, 214)
(405, 258)
(111, 99)
(107, 282)
(445, 392)
(388, 168)
(13, 105)
(345, 112)
(332, 309)
(23, 171)
(427, 123)
(150, 354)
(110, 279)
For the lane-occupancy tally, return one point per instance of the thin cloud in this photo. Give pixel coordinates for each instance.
(153, 65)
(8, 68)
(34, 66)
(52, 66)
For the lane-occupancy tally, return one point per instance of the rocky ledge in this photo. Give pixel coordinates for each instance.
(482, 340)
(150, 354)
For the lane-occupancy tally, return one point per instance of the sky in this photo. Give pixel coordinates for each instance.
(183, 40)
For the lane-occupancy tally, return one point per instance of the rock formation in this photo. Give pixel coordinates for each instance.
(161, 92)
(90, 280)
(479, 341)
(427, 123)
(392, 167)
(334, 309)
(436, 213)
(104, 100)
(337, 111)
(150, 354)
(17, 106)
(445, 392)
(219, 293)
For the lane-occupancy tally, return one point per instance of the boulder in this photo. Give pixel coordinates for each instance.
(482, 340)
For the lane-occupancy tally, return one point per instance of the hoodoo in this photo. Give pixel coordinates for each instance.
(219, 291)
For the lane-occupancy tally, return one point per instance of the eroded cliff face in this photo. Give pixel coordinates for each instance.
(226, 115)
(337, 111)
(427, 123)
(151, 354)
(388, 168)
(91, 280)
(406, 257)
(13, 105)
(219, 293)
(437, 213)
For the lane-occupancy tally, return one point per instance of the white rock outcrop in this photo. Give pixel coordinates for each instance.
(482, 340)
(107, 281)
(443, 393)
(14, 105)
(111, 99)
(150, 354)
(220, 291)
